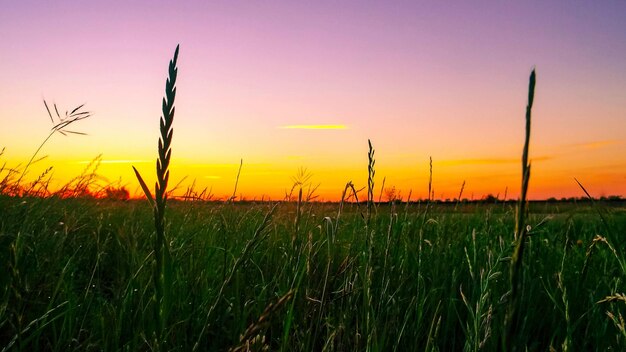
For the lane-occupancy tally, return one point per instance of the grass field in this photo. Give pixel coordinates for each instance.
(78, 277)
(88, 274)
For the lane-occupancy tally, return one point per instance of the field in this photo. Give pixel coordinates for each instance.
(83, 273)
(78, 276)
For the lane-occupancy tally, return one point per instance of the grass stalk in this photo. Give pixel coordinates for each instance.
(369, 239)
(232, 198)
(371, 172)
(430, 179)
(162, 274)
(382, 190)
(59, 126)
(458, 200)
(595, 207)
(511, 319)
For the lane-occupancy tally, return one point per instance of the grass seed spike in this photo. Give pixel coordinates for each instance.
(162, 275)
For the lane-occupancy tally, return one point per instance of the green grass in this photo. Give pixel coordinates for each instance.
(79, 277)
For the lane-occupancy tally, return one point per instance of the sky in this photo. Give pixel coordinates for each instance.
(286, 86)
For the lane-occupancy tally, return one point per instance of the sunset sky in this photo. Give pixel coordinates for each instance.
(286, 85)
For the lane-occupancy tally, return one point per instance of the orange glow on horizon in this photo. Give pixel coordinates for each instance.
(497, 176)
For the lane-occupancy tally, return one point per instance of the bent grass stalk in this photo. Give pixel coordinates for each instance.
(253, 338)
(511, 318)
(234, 196)
(162, 276)
(595, 207)
(61, 127)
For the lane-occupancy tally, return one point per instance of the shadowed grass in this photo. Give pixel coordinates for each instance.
(162, 277)
(521, 232)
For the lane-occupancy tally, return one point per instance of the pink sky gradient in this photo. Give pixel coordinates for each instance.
(441, 79)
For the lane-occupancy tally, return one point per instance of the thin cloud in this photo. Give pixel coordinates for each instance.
(118, 161)
(314, 127)
(604, 167)
(221, 166)
(489, 161)
(215, 166)
(597, 144)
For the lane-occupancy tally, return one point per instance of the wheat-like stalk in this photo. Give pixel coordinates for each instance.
(371, 172)
(162, 275)
(369, 242)
(520, 230)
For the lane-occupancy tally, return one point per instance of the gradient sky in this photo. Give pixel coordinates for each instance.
(259, 81)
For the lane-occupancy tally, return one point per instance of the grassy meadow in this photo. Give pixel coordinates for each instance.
(100, 274)
(78, 276)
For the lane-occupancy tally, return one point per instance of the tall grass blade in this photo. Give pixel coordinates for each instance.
(371, 172)
(144, 187)
(76, 109)
(48, 109)
(594, 205)
(511, 319)
(162, 274)
(234, 196)
(430, 179)
(57, 111)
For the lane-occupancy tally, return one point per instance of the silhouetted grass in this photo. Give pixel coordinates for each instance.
(521, 232)
(162, 278)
